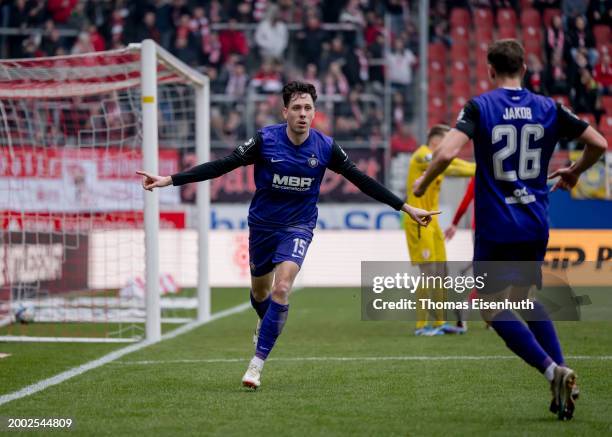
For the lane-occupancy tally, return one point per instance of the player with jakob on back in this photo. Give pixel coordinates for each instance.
(515, 133)
(290, 160)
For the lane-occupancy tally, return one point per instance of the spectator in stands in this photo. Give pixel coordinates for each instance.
(351, 108)
(352, 14)
(396, 9)
(557, 81)
(272, 35)
(164, 23)
(199, 28)
(238, 81)
(310, 40)
(401, 61)
(375, 26)
(83, 44)
(332, 53)
(376, 70)
(96, 39)
(534, 80)
(267, 80)
(600, 12)
(51, 40)
(555, 38)
(335, 81)
(585, 99)
(311, 76)
(37, 12)
(263, 115)
(439, 33)
(242, 12)
(59, 10)
(573, 8)
(148, 28)
(602, 73)
(233, 41)
(398, 111)
(212, 52)
(581, 38)
(402, 140)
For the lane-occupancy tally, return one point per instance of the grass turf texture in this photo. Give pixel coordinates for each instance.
(499, 396)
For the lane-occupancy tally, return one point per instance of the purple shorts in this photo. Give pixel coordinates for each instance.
(268, 247)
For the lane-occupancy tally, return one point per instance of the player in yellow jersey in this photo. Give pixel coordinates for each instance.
(426, 245)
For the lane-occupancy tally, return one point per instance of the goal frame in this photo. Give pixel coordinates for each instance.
(151, 55)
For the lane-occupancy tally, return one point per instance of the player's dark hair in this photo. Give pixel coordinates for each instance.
(438, 129)
(297, 87)
(506, 56)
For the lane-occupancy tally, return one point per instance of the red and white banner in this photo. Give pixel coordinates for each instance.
(78, 180)
(83, 222)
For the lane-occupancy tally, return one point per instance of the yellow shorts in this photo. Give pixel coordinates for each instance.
(425, 244)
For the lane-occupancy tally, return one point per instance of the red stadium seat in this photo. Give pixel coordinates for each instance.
(602, 34)
(460, 52)
(561, 99)
(460, 68)
(605, 126)
(532, 34)
(460, 35)
(506, 32)
(589, 118)
(483, 18)
(460, 17)
(437, 51)
(482, 86)
(436, 68)
(460, 88)
(526, 4)
(458, 104)
(436, 89)
(482, 72)
(506, 18)
(484, 35)
(549, 14)
(606, 102)
(531, 17)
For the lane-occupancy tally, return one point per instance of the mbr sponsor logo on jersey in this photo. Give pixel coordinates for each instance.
(294, 183)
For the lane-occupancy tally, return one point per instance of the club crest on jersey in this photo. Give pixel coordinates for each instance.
(313, 162)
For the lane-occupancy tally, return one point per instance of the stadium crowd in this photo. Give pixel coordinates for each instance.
(249, 48)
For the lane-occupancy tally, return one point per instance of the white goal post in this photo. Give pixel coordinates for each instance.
(64, 232)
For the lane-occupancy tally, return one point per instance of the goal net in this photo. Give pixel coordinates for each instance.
(85, 253)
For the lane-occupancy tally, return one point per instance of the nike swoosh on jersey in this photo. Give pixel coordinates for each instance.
(276, 160)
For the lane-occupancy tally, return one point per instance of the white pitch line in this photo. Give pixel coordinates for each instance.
(399, 358)
(115, 355)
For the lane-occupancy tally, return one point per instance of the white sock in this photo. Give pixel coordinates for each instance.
(549, 373)
(256, 361)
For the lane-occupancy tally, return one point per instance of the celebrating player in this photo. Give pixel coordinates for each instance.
(514, 134)
(426, 246)
(290, 161)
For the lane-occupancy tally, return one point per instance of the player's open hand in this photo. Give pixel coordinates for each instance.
(150, 181)
(567, 179)
(419, 215)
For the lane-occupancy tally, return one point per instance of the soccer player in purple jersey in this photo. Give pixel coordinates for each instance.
(290, 160)
(514, 134)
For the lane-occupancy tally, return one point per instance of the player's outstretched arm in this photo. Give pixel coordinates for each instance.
(448, 150)
(340, 163)
(419, 215)
(243, 155)
(595, 146)
(150, 181)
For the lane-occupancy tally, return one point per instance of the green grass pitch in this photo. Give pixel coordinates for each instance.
(190, 385)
